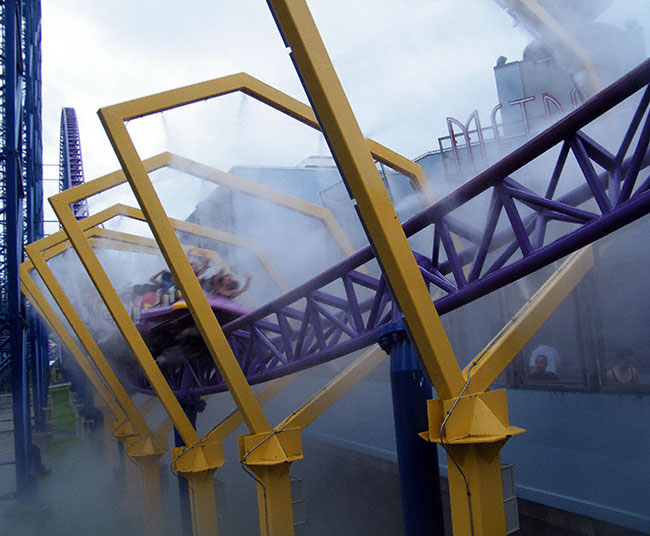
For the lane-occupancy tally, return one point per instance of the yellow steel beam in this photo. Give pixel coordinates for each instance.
(362, 178)
(147, 244)
(207, 173)
(498, 354)
(41, 305)
(334, 390)
(228, 425)
(134, 432)
(78, 326)
(122, 318)
(246, 84)
(189, 285)
(58, 242)
(251, 188)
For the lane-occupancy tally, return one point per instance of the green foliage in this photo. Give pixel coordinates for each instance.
(63, 419)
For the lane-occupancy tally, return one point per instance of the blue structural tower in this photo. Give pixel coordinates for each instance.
(418, 460)
(23, 354)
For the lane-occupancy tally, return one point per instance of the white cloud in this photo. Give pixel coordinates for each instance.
(405, 65)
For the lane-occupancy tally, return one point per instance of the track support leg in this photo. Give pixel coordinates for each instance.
(269, 457)
(480, 463)
(473, 429)
(197, 464)
(152, 494)
(146, 452)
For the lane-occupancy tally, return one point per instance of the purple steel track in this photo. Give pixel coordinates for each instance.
(71, 171)
(308, 325)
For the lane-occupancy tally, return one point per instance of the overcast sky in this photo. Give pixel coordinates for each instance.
(405, 65)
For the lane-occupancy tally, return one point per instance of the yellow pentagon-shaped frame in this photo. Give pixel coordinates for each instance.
(113, 119)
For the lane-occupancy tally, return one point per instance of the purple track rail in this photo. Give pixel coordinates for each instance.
(310, 325)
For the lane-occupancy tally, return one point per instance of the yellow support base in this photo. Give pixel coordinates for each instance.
(197, 465)
(480, 464)
(274, 499)
(475, 429)
(146, 452)
(269, 457)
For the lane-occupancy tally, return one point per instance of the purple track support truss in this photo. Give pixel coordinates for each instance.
(308, 326)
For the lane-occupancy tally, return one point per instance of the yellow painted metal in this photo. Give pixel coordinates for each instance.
(498, 354)
(269, 456)
(362, 178)
(403, 165)
(348, 378)
(38, 301)
(202, 512)
(202, 501)
(197, 463)
(77, 325)
(122, 318)
(240, 184)
(476, 426)
(57, 242)
(130, 426)
(235, 419)
(274, 499)
(146, 452)
(125, 241)
(481, 466)
(179, 265)
(476, 418)
(270, 461)
(207, 173)
(270, 96)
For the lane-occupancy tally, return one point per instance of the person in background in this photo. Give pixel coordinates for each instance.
(167, 292)
(225, 285)
(199, 269)
(163, 280)
(623, 371)
(543, 361)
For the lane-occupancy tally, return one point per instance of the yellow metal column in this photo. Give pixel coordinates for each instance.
(481, 487)
(146, 452)
(197, 465)
(472, 429)
(363, 181)
(269, 457)
(110, 452)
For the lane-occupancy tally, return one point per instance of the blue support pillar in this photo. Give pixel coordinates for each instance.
(14, 196)
(418, 460)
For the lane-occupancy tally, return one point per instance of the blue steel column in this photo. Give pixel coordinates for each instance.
(12, 111)
(33, 155)
(418, 460)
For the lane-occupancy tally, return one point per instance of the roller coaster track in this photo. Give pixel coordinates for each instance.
(525, 228)
(71, 171)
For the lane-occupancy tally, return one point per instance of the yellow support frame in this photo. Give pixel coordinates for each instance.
(498, 354)
(481, 422)
(195, 464)
(113, 119)
(45, 310)
(207, 173)
(362, 178)
(139, 441)
(204, 516)
(277, 519)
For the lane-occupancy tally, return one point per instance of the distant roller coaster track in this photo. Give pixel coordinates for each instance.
(71, 171)
(342, 309)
